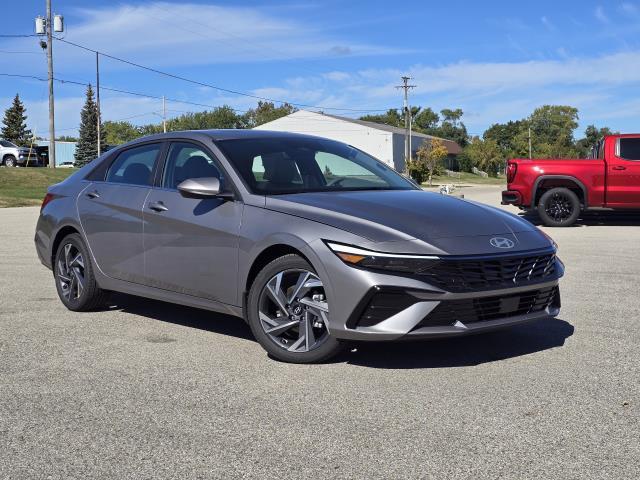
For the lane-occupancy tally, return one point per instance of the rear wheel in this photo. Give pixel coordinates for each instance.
(288, 312)
(10, 161)
(75, 282)
(559, 207)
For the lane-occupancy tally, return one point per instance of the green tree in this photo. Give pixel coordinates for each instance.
(452, 127)
(431, 155)
(66, 138)
(116, 133)
(426, 121)
(265, 112)
(14, 127)
(392, 117)
(506, 135)
(219, 117)
(485, 155)
(87, 146)
(552, 128)
(592, 135)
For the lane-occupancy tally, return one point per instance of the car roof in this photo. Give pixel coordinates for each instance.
(222, 134)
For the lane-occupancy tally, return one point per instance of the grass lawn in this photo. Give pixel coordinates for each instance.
(466, 178)
(21, 187)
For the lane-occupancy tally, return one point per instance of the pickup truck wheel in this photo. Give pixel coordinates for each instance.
(559, 207)
(10, 161)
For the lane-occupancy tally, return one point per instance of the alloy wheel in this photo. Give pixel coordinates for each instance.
(293, 310)
(559, 207)
(71, 272)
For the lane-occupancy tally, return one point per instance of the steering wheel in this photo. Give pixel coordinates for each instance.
(336, 182)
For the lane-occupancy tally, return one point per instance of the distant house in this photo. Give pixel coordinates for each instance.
(65, 151)
(384, 142)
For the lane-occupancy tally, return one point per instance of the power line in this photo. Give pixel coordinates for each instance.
(209, 85)
(118, 90)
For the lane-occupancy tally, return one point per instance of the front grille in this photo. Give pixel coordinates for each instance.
(470, 310)
(461, 275)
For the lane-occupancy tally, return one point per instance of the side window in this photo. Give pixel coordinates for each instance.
(630, 148)
(134, 166)
(185, 161)
(276, 169)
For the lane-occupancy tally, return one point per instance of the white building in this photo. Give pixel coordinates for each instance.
(384, 142)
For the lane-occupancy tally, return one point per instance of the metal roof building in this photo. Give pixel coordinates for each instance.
(384, 142)
(65, 151)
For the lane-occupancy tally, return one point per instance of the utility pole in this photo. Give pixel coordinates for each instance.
(407, 120)
(52, 127)
(45, 27)
(98, 101)
(530, 143)
(164, 115)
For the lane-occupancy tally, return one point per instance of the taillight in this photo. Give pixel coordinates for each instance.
(47, 198)
(512, 168)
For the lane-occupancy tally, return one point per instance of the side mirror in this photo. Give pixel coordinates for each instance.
(205, 187)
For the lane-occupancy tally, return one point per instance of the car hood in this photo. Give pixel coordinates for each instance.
(397, 215)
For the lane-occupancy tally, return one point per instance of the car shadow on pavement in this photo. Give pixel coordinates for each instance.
(180, 315)
(441, 353)
(463, 351)
(592, 219)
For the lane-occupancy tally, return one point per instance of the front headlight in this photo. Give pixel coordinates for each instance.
(397, 262)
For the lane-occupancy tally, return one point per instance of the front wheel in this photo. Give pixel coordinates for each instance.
(288, 311)
(559, 207)
(10, 161)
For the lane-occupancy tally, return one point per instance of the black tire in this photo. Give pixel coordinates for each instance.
(90, 296)
(559, 207)
(327, 346)
(10, 161)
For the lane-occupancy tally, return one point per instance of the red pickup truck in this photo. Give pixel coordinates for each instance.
(561, 188)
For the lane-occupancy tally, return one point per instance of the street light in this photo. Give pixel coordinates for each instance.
(43, 26)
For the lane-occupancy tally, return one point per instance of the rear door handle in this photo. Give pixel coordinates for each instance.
(93, 194)
(158, 207)
(618, 167)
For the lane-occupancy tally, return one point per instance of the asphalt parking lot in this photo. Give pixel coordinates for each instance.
(145, 389)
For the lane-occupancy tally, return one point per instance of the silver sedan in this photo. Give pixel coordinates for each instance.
(313, 242)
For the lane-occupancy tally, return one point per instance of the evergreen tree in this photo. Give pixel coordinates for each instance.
(15, 124)
(87, 147)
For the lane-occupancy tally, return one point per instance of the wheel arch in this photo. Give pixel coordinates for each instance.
(60, 234)
(266, 256)
(546, 182)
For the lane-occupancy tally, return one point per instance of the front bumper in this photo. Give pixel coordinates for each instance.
(457, 314)
(350, 291)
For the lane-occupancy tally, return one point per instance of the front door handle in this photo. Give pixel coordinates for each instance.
(619, 167)
(158, 207)
(93, 194)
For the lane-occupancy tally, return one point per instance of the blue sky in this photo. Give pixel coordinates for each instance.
(495, 60)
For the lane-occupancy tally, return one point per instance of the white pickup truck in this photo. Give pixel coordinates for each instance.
(12, 155)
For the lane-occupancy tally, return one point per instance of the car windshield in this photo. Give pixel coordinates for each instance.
(272, 166)
(6, 143)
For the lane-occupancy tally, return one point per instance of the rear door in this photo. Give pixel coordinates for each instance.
(110, 211)
(623, 173)
(192, 243)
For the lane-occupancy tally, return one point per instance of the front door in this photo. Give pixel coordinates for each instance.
(191, 244)
(111, 213)
(623, 175)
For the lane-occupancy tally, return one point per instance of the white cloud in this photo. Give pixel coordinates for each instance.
(547, 23)
(629, 8)
(178, 34)
(600, 15)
